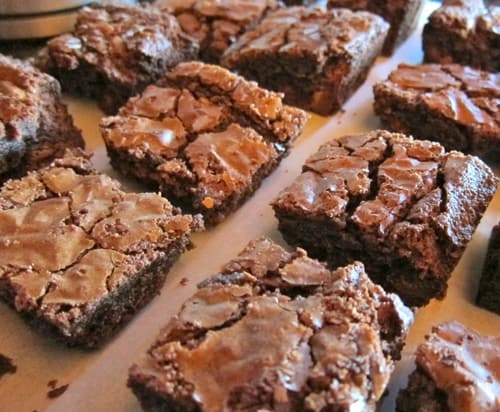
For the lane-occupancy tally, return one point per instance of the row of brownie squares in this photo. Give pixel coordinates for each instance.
(140, 144)
(316, 58)
(277, 330)
(207, 138)
(55, 302)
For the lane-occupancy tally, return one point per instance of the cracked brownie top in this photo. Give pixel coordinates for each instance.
(376, 183)
(71, 236)
(464, 365)
(204, 132)
(216, 24)
(467, 96)
(313, 33)
(278, 329)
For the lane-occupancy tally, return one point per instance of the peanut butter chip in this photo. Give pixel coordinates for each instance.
(208, 202)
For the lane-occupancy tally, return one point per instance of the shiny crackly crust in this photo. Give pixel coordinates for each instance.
(278, 330)
(35, 126)
(78, 255)
(317, 58)
(115, 51)
(452, 104)
(204, 135)
(404, 207)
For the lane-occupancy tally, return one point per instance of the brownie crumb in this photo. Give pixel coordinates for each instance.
(56, 392)
(184, 281)
(6, 366)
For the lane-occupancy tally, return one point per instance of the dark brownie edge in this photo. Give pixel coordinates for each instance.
(86, 70)
(488, 295)
(111, 312)
(421, 395)
(128, 165)
(463, 32)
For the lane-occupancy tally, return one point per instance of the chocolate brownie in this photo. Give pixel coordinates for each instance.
(457, 370)
(216, 24)
(318, 58)
(404, 207)
(465, 32)
(488, 295)
(402, 15)
(79, 256)
(205, 136)
(300, 2)
(455, 105)
(35, 126)
(116, 51)
(275, 331)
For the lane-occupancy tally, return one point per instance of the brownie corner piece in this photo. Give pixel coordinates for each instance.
(456, 369)
(406, 208)
(216, 24)
(114, 51)
(455, 105)
(464, 32)
(488, 294)
(205, 136)
(35, 126)
(402, 15)
(317, 58)
(281, 332)
(79, 256)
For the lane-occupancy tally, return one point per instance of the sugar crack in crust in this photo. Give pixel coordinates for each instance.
(90, 245)
(404, 207)
(205, 136)
(276, 329)
(455, 105)
(317, 58)
(457, 370)
(216, 24)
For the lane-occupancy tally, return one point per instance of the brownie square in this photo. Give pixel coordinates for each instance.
(79, 256)
(35, 126)
(317, 58)
(205, 136)
(402, 15)
(114, 52)
(457, 370)
(404, 207)
(488, 294)
(465, 32)
(455, 105)
(216, 24)
(275, 331)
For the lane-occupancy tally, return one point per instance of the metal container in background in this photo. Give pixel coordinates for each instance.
(32, 19)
